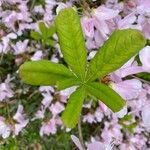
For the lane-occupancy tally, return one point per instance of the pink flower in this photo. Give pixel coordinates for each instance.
(48, 127)
(77, 142)
(21, 120)
(146, 115)
(5, 129)
(145, 58)
(47, 99)
(5, 90)
(20, 47)
(89, 118)
(122, 112)
(128, 89)
(56, 108)
(37, 56)
(111, 131)
(88, 26)
(96, 145)
(40, 113)
(104, 13)
(98, 114)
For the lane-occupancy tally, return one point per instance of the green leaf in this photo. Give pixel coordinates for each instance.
(43, 29)
(35, 35)
(50, 31)
(72, 112)
(117, 50)
(43, 72)
(71, 41)
(104, 93)
(66, 83)
(50, 42)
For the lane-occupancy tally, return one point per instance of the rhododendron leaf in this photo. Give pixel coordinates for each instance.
(71, 41)
(104, 93)
(72, 112)
(66, 83)
(43, 72)
(117, 50)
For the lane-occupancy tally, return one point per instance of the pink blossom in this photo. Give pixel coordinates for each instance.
(122, 112)
(145, 58)
(146, 114)
(128, 89)
(104, 13)
(77, 142)
(56, 108)
(39, 114)
(20, 47)
(48, 128)
(88, 26)
(37, 56)
(5, 90)
(89, 118)
(21, 120)
(47, 99)
(5, 129)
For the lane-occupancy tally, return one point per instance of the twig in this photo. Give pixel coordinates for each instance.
(80, 134)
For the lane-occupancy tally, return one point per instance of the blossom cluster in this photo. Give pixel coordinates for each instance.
(126, 130)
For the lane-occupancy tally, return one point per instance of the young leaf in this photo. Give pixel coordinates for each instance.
(35, 35)
(72, 112)
(43, 29)
(71, 41)
(43, 72)
(118, 49)
(50, 31)
(104, 93)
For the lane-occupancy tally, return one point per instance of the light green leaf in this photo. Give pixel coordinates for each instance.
(66, 83)
(50, 31)
(71, 41)
(43, 72)
(108, 96)
(35, 35)
(72, 112)
(117, 50)
(43, 29)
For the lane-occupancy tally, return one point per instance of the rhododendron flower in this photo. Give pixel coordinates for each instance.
(122, 112)
(146, 114)
(37, 56)
(5, 129)
(21, 120)
(145, 58)
(94, 145)
(20, 47)
(56, 108)
(128, 89)
(49, 127)
(5, 90)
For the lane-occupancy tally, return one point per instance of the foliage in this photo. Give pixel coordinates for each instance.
(119, 48)
(45, 35)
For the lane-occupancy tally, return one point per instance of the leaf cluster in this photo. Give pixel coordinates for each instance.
(118, 49)
(45, 35)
